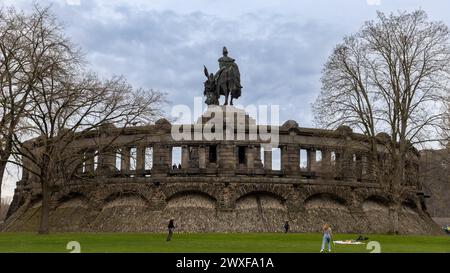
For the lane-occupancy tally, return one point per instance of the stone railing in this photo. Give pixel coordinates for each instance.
(300, 152)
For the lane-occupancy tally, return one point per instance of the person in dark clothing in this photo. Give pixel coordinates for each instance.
(362, 238)
(286, 227)
(170, 227)
(174, 166)
(179, 166)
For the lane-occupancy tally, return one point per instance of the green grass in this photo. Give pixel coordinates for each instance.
(212, 242)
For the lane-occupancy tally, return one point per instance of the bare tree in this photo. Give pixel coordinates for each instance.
(445, 129)
(392, 76)
(64, 103)
(65, 110)
(27, 45)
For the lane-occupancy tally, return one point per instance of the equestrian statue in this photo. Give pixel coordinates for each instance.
(226, 81)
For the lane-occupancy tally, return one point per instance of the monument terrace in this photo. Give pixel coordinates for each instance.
(125, 179)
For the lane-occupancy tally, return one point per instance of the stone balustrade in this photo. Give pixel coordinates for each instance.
(147, 152)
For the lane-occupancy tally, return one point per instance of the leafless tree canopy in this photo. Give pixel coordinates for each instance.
(30, 46)
(48, 96)
(392, 76)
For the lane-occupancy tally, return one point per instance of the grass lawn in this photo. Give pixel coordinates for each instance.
(212, 242)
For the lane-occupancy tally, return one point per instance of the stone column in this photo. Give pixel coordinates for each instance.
(125, 160)
(358, 166)
(347, 164)
(251, 157)
(89, 162)
(162, 159)
(337, 172)
(283, 158)
(202, 157)
(326, 163)
(290, 159)
(258, 163)
(268, 158)
(77, 164)
(25, 172)
(227, 159)
(106, 161)
(311, 160)
(364, 165)
(185, 157)
(140, 160)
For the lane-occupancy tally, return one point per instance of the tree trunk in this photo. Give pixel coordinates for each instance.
(45, 208)
(2, 172)
(393, 215)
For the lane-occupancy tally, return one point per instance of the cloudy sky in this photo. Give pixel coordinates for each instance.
(280, 46)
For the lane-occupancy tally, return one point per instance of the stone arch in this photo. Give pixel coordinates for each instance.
(278, 191)
(412, 218)
(131, 195)
(72, 198)
(375, 202)
(376, 209)
(174, 190)
(35, 201)
(70, 211)
(82, 191)
(327, 207)
(123, 210)
(191, 198)
(268, 195)
(192, 210)
(328, 199)
(263, 192)
(334, 193)
(409, 205)
(261, 211)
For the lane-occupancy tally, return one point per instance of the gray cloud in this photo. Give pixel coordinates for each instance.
(279, 57)
(280, 46)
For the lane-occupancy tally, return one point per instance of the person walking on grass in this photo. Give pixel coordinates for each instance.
(286, 227)
(170, 228)
(327, 237)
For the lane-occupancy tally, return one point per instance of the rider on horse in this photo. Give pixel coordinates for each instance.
(226, 81)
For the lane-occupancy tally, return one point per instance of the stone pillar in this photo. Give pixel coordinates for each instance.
(347, 164)
(77, 164)
(125, 160)
(326, 163)
(268, 158)
(140, 160)
(106, 161)
(258, 163)
(25, 172)
(185, 157)
(337, 172)
(251, 155)
(358, 167)
(311, 160)
(162, 159)
(284, 164)
(89, 162)
(363, 165)
(202, 157)
(226, 158)
(290, 159)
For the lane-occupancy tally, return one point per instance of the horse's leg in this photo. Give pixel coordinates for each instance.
(226, 97)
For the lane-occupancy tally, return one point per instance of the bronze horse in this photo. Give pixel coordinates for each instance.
(225, 82)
